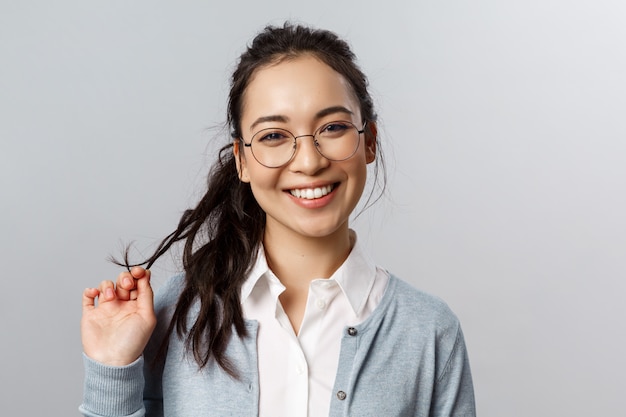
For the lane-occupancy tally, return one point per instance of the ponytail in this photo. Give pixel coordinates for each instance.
(222, 236)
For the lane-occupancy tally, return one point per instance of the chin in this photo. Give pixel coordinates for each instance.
(317, 232)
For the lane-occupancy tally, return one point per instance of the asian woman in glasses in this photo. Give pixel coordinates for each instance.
(278, 310)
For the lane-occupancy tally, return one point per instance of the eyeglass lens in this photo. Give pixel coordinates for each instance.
(275, 147)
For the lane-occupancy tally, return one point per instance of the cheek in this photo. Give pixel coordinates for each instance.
(358, 175)
(362, 179)
(262, 181)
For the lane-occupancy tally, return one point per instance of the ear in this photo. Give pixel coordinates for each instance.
(371, 133)
(240, 160)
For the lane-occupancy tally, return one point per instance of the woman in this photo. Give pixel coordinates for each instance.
(278, 312)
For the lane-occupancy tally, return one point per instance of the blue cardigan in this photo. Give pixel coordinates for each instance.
(407, 359)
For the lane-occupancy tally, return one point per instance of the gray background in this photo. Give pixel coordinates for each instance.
(504, 127)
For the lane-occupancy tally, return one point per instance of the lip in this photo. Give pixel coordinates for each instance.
(316, 202)
(311, 185)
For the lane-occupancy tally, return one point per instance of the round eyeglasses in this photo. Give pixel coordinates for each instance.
(275, 147)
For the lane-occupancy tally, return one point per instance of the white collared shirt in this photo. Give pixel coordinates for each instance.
(297, 372)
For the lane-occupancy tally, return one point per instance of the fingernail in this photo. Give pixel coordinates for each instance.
(109, 293)
(128, 282)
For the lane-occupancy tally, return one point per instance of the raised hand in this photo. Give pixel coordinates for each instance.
(116, 328)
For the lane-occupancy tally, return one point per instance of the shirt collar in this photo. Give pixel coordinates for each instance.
(259, 269)
(355, 276)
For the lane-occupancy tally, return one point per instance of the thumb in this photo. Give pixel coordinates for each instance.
(145, 295)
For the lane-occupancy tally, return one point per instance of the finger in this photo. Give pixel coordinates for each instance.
(138, 272)
(145, 295)
(107, 291)
(125, 284)
(89, 298)
(126, 288)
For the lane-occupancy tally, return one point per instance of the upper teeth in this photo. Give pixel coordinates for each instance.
(311, 193)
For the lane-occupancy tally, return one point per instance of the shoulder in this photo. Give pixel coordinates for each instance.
(417, 306)
(166, 295)
(411, 316)
(423, 323)
(166, 298)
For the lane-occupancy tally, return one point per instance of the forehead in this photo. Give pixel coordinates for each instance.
(296, 88)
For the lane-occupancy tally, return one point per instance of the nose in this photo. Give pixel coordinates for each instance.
(307, 159)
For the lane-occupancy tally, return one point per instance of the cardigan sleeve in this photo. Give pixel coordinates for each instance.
(134, 390)
(112, 390)
(453, 391)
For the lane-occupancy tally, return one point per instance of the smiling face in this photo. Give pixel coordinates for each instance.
(310, 196)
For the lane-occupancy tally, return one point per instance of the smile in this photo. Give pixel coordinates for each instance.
(312, 193)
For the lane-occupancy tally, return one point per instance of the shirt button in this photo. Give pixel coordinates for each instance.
(352, 331)
(341, 395)
(321, 304)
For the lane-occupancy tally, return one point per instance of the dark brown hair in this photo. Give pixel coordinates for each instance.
(222, 234)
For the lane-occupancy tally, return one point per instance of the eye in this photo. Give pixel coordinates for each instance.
(334, 129)
(272, 137)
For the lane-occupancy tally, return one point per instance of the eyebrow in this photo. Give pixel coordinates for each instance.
(284, 119)
(331, 110)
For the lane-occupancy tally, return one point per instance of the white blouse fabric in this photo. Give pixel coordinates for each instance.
(297, 371)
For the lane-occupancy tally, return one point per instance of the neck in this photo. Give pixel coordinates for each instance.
(297, 260)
